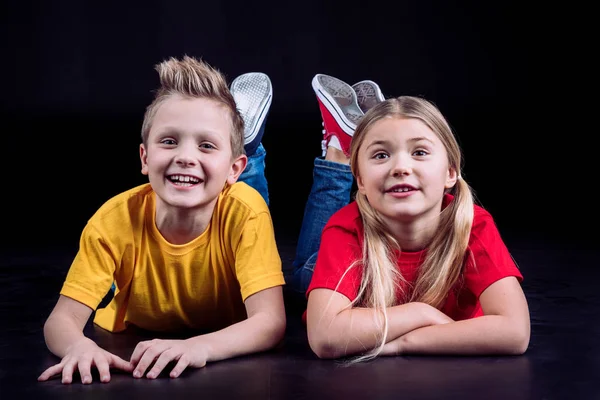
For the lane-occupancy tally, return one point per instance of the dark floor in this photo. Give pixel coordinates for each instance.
(562, 362)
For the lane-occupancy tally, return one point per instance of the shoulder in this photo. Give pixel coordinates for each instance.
(242, 196)
(483, 223)
(347, 218)
(124, 207)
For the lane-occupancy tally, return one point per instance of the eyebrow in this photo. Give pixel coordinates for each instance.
(420, 138)
(414, 139)
(169, 130)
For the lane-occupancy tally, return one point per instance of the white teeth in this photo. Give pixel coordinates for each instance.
(401, 190)
(183, 179)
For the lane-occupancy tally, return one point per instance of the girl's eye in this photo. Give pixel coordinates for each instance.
(380, 156)
(420, 153)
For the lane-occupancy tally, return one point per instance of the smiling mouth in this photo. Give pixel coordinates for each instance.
(400, 190)
(183, 180)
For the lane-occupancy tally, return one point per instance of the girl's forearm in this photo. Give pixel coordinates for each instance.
(486, 335)
(357, 330)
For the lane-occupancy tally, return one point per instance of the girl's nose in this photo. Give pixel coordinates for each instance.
(402, 166)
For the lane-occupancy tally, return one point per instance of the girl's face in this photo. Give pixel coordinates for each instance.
(403, 171)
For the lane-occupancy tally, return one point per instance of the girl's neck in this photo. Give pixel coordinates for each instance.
(416, 235)
(181, 226)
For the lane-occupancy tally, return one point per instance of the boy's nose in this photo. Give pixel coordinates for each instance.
(185, 159)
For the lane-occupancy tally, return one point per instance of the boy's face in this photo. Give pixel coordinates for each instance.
(188, 155)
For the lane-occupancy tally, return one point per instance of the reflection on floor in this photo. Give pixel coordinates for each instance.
(562, 362)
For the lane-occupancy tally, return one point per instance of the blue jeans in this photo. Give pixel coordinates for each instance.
(332, 184)
(254, 174)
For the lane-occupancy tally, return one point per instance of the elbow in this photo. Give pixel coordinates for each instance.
(279, 331)
(48, 326)
(322, 350)
(276, 331)
(519, 341)
(321, 346)
(520, 344)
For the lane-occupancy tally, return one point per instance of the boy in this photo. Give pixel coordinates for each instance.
(191, 249)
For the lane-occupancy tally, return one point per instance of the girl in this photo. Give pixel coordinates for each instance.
(412, 265)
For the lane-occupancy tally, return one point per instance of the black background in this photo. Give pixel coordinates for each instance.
(512, 78)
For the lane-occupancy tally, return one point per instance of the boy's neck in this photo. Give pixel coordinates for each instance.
(181, 226)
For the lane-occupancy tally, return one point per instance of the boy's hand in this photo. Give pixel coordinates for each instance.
(162, 352)
(83, 355)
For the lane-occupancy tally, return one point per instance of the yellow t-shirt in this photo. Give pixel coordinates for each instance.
(164, 287)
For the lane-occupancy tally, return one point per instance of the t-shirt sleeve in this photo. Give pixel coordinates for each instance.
(489, 259)
(339, 249)
(92, 272)
(258, 264)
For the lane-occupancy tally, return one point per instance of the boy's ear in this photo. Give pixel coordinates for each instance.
(451, 178)
(144, 159)
(238, 166)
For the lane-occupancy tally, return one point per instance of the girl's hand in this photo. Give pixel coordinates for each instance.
(435, 316)
(83, 355)
(162, 352)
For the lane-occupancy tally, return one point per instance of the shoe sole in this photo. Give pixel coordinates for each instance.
(254, 104)
(367, 91)
(328, 89)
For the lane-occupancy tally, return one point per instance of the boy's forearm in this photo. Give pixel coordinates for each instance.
(355, 330)
(487, 335)
(258, 333)
(61, 332)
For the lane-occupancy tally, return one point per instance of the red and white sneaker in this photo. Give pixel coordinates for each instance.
(339, 109)
(368, 94)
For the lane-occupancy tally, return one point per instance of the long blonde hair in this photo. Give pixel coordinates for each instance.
(445, 255)
(194, 78)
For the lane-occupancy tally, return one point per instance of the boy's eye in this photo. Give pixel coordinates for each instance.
(207, 146)
(168, 141)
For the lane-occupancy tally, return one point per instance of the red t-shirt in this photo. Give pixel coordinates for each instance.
(341, 244)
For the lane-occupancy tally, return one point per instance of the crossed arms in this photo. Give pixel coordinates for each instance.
(335, 330)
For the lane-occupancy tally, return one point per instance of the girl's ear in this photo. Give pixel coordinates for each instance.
(360, 185)
(451, 178)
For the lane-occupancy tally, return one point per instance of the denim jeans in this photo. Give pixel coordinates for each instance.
(332, 184)
(254, 174)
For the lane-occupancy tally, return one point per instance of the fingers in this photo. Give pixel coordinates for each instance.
(139, 351)
(67, 372)
(119, 363)
(161, 353)
(182, 364)
(52, 371)
(102, 362)
(103, 370)
(144, 354)
(165, 358)
(85, 371)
